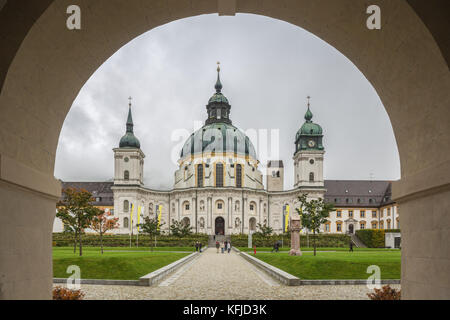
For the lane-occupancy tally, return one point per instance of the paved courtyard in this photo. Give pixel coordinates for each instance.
(223, 276)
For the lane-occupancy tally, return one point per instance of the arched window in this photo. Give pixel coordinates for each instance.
(126, 206)
(186, 221)
(200, 175)
(252, 224)
(126, 175)
(239, 176)
(125, 222)
(311, 177)
(219, 174)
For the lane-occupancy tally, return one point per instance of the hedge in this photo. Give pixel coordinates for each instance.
(322, 240)
(391, 230)
(372, 238)
(123, 240)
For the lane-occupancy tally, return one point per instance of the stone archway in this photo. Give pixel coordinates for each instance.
(42, 71)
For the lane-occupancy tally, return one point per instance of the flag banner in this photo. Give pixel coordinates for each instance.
(286, 221)
(138, 217)
(131, 217)
(159, 215)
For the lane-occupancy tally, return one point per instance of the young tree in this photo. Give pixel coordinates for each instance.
(151, 227)
(103, 222)
(264, 230)
(313, 214)
(180, 229)
(76, 211)
(71, 231)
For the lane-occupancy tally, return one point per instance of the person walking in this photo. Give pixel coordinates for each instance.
(225, 245)
(196, 246)
(217, 246)
(222, 246)
(275, 246)
(200, 246)
(351, 246)
(229, 246)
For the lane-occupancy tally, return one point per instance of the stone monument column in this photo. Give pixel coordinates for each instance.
(295, 235)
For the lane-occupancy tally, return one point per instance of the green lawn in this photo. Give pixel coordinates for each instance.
(120, 265)
(336, 265)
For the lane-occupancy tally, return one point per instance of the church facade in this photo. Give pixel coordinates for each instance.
(218, 186)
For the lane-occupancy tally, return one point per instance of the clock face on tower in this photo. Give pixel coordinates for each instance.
(311, 143)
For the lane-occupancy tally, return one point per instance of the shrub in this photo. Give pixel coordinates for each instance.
(391, 230)
(123, 240)
(323, 240)
(372, 238)
(385, 293)
(61, 293)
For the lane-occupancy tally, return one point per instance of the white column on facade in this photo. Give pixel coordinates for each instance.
(178, 209)
(229, 212)
(194, 213)
(260, 209)
(209, 211)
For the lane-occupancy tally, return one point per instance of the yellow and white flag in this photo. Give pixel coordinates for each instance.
(131, 216)
(159, 215)
(286, 222)
(138, 217)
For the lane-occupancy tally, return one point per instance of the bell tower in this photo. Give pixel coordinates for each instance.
(129, 158)
(308, 155)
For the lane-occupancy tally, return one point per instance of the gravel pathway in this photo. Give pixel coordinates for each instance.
(220, 276)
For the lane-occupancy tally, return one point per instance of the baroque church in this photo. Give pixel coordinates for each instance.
(218, 187)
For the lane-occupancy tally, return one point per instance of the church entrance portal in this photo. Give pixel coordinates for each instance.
(350, 229)
(219, 226)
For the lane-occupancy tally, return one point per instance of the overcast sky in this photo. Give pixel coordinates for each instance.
(268, 67)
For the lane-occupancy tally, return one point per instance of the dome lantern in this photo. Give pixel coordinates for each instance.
(218, 107)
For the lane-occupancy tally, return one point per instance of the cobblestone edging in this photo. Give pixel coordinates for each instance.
(291, 280)
(278, 274)
(147, 280)
(157, 275)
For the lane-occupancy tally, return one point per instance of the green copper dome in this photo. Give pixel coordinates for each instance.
(310, 128)
(129, 140)
(309, 137)
(218, 98)
(218, 137)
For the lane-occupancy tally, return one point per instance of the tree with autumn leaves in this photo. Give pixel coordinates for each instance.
(102, 222)
(77, 213)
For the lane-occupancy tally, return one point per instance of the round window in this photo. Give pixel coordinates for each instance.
(126, 159)
(311, 161)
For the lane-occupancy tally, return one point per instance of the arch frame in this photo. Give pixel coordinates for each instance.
(409, 79)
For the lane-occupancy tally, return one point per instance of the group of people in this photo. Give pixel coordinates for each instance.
(225, 246)
(198, 246)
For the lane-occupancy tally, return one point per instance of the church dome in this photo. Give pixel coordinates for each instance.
(129, 140)
(218, 137)
(218, 134)
(218, 97)
(310, 128)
